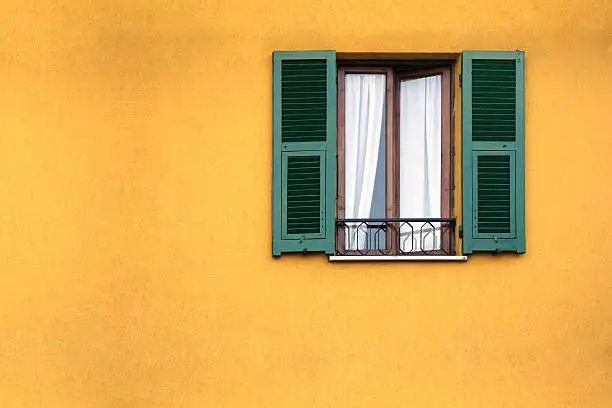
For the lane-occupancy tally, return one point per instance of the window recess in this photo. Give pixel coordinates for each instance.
(394, 162)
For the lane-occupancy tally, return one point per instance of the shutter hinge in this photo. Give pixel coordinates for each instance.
(461, 231)
(460, 80)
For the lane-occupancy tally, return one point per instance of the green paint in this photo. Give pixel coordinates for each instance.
(492, 214)
(493, 126)
(303, 195)
(303, 125)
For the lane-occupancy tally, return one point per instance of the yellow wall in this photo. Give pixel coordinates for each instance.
(135, 176)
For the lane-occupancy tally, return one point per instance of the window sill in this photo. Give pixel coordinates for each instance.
(450, 258)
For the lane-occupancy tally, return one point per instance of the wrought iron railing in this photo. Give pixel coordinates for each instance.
(395, 236)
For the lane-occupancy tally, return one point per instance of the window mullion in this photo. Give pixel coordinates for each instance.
(392, 160)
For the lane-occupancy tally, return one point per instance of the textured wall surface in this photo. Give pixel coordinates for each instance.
(135, 176)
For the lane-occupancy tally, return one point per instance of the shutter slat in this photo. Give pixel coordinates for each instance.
(304, 84)
(303, 210)
(493, 183)
(493, 84)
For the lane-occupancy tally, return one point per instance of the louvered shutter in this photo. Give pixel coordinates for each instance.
(493, 157)
(303, 151)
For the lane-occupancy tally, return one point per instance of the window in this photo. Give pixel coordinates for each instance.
(362, 156)
(394, 161)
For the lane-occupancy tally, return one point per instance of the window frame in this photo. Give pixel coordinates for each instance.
(341, 146)
(394, 76)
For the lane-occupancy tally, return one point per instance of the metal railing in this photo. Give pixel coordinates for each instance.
(395, 236)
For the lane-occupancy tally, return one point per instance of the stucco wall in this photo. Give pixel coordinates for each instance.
(135, 176)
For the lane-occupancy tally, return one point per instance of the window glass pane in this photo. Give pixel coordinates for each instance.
(365, 157)
(420, 162)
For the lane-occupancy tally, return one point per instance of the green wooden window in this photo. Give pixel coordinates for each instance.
(303, 151)
(493, 144)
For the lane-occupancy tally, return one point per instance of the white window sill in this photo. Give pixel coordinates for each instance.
(358, 258)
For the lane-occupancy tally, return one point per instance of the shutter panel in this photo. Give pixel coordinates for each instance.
(493, 157)
(303, 151)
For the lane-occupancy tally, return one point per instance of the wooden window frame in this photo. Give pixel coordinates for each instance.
(341, 146)
(394, 77)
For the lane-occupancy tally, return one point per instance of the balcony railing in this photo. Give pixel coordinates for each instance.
(395, 236)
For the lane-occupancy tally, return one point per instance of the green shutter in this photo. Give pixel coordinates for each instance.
(493, 145)
(303, 151)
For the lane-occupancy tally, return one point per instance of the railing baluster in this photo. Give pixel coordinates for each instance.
(375, 236)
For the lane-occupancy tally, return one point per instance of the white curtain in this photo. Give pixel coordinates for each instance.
(364, 124)
(420, 161)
